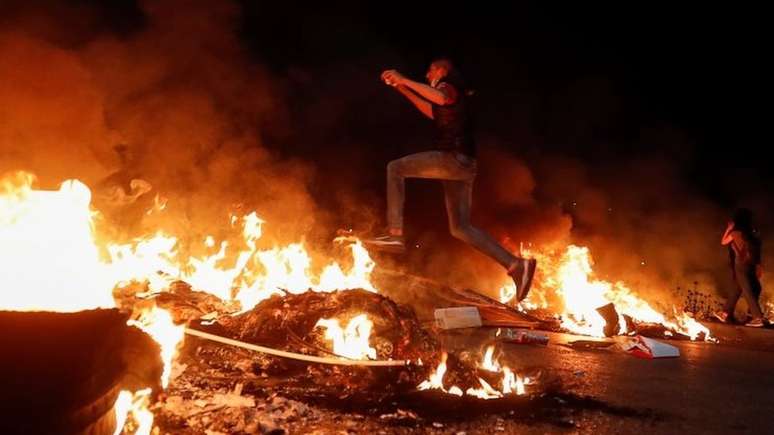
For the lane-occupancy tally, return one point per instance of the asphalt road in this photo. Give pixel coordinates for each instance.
(710, 388)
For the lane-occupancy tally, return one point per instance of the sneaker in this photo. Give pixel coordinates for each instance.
(755, 323)
(387, 243)
(722, 316)
(522, 272)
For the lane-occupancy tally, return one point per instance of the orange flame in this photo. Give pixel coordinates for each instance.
(47, 238)
(511, 384)
(569, 278)
(351, 342)
(158, 324)
(135, 405)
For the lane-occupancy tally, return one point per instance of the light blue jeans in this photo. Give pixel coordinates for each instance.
(457, 172)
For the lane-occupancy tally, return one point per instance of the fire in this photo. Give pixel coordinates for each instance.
(47, 238)
(351, 342)
(158, 324)
(488, 364)
(577, 295)
(435, 381)
(135, 405)
(253, 275)
(511, 383)
(486, 391)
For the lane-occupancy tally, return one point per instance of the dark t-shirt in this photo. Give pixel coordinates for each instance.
(453, 121)
(745, 248)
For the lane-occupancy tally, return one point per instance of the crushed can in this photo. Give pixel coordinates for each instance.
(521, 336)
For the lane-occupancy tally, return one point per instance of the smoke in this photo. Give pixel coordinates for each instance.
(174, 100)
(646, 223)
(51, 118)
(207, 125)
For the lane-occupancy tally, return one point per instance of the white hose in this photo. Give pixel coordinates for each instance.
(293, 355)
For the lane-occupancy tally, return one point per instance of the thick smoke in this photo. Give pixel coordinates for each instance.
(173, 97)
(174, 101)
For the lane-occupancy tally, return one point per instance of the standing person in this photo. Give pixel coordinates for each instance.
(452, 160)
(744, 246)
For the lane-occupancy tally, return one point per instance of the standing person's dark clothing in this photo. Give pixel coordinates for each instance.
(744, 246)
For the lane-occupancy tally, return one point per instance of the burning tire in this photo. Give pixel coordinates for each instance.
(62, 372)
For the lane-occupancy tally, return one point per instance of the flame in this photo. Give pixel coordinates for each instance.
(435, 381)
(47, 238)
(488, 364)
(511, 384)
(507, 292)
(121, 407)
(569, 278)
(158, 324)
(136, 405)
(351, 342)
(486, 391)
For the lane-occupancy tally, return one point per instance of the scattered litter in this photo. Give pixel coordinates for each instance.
(177, 370)
(588, 344)
(521, 336)
(643, 347)
(609, 313)
(232, 400)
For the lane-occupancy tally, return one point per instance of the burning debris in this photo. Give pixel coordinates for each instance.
(326, 336)
(595, 307)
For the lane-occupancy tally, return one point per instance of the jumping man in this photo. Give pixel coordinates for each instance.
(453, 161)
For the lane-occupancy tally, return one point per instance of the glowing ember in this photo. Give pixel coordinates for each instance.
(351, 342)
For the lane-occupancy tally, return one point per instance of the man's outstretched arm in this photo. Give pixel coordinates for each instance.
(420, 103)
(435, 96)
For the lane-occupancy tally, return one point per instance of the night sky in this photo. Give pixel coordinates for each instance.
(585, 80)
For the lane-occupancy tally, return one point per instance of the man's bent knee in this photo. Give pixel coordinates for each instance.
(393, 167)
(460, 232)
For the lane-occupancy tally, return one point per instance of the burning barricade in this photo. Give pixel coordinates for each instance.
(260, 314)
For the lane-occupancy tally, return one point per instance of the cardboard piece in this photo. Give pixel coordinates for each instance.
(457, 317)
(648, 348)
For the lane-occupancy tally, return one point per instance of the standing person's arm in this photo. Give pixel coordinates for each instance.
(435, 96)
(727, 236)
(423, 105)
